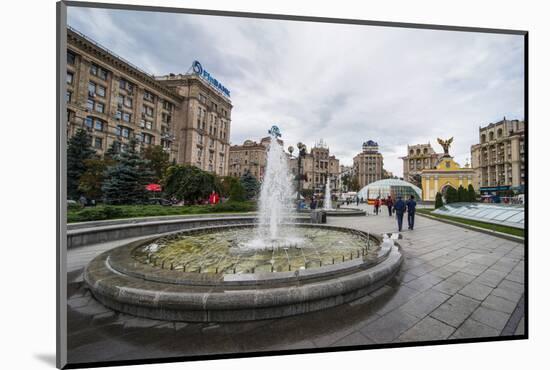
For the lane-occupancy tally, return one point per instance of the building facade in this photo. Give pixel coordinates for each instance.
(115, 101)
(419, 157)
(499, 158)
(368, 166)
(251, 157)
(447, 173)
(317, 166)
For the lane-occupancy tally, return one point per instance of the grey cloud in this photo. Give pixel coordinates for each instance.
(343, 83)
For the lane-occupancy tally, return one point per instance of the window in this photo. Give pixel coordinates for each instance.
(70, 78)
(95, 89)
(123, 131)
(100, 90)
(128, 102)
(68, 96)
(125, 85)
(70, 58)
(98, 143)
(100, 107)
(95, 123)
(167, 118)
(148, 96)
(167, 105)
(126, 117)
(147, 110)
(90, 104)
(147, 139)
(98, 71)
(146, 124)
(98, 125)
(202, 98)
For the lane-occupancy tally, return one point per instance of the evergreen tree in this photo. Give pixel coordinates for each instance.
(438, 200)
(451, 195)
(462, 194)
(113, 151)
(159, 160)
(79, 150)
(250, 185)
(126, 179)
(471, 193)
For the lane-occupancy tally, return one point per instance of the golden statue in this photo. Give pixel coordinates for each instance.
(445, 144)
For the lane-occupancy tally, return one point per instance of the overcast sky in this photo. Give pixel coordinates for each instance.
(345, 84)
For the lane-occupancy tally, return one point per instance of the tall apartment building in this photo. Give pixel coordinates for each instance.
(251, 157)
(114, 101)
(368, 165)
(419, 157)
(499, 158)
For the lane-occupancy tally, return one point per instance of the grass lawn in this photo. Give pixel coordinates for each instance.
(483, 225)
(104, 212)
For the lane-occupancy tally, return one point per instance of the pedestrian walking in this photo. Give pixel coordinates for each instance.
(411, 210)
(357, 200)
(389, 203)
(376, 205)
(400, 208)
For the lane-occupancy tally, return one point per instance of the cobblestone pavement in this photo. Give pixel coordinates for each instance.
(454, 283)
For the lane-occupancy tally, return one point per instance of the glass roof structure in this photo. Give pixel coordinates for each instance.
(499, 214)
(393, 187)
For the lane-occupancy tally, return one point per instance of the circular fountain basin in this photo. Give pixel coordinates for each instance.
(221, 273)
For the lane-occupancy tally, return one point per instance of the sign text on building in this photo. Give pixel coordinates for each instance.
(197, 68)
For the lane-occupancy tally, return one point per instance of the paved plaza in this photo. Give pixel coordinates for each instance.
(454, 283)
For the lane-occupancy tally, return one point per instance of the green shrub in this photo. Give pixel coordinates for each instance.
(74, 206)
(130, 211)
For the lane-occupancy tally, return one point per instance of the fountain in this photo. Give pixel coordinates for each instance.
(327, 204)
(276, 194)
(226, 269)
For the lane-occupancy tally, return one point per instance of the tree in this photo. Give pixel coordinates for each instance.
(237, 193)
(126, 179)
(354, 184)
(471, 193)
(79, 150)
(225, 185)
(112, 152)
(462, 194)
(189, 183)
(438, 200)
(451, 195)
(346, 180)
(159, 160)
(250, 184)
(91, 181)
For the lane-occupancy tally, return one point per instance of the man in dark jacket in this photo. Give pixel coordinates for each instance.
(411, 209)
(399, 208)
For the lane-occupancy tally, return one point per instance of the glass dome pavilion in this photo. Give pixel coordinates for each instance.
(393, 187)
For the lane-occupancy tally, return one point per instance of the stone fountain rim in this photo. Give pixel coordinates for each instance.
(120, 261)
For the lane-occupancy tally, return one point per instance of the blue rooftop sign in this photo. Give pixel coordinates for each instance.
(197, 68)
